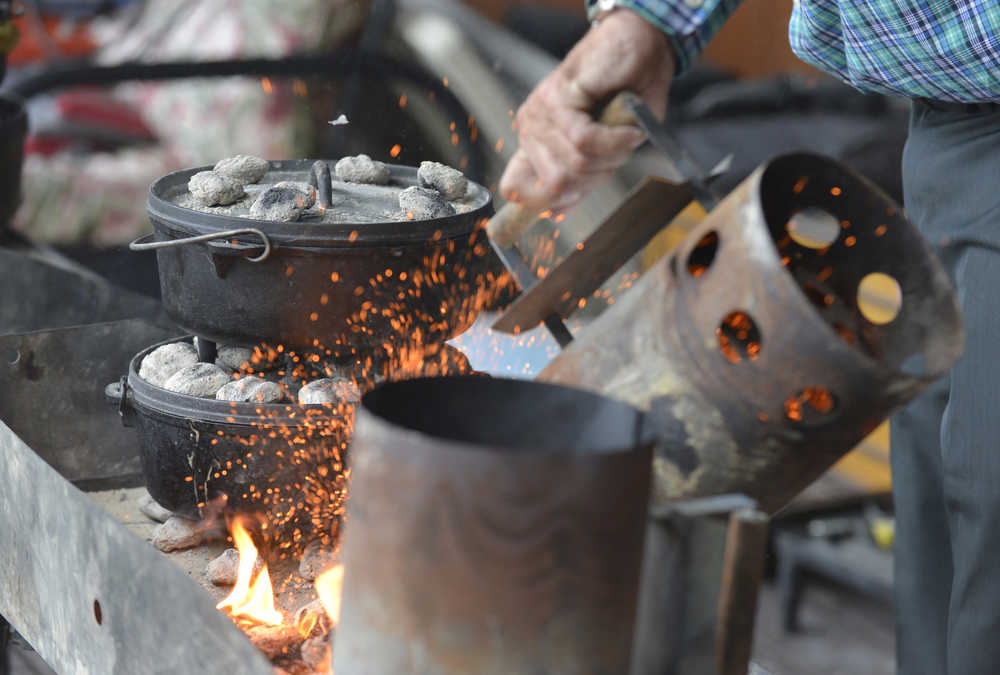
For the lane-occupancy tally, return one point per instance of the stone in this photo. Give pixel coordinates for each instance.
(232, 357)
(361, 169)
(451, 183)
(316, 559)
(223, 570)
(279, 204)
(201, 379)
(424, 204)
(177, 534)
(329, 390)
(150, 508)
(307, 190)
(210, 188)
(160, 364)
(315, 653)
(243, 168)
(274, 641)
(250, 389)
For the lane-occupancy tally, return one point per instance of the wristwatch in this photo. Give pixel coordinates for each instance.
(597, 9)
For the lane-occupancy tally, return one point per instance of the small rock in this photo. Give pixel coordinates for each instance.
(200, 379)
(211, 188)
(315, 653)
(329, 390)
(362, 169)
(424, 204)
(274, 640)
(177, 534)
(451, 183)
(307, 190)
(150, 508)
(250, 389)
(278, 204)
(222, 571)
(243, 168)
(316, 559)
(158, 365)
(232, 357)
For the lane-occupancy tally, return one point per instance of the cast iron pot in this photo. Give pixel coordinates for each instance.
(13, 130)
(349, 286)
(286, 460)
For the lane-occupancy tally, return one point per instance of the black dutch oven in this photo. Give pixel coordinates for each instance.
(283, 460)
(349, 286)
(13, 130)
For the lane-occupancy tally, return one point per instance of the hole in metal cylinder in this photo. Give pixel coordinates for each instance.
(12, 356)
(812, 405)
(879, 298)
(813, 227)
(97, 612)
(739, 337)
(702, 255)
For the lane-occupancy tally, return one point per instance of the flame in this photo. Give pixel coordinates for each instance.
(251, 598)
(328, 585)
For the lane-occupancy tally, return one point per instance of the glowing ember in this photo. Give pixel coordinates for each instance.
(328, 586)
(251, 599)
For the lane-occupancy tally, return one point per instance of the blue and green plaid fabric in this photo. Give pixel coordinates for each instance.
(947, 50)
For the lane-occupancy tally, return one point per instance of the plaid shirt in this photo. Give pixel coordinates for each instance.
(947, 50)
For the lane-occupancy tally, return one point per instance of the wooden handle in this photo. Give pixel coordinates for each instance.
(743, 568)
(512, 219)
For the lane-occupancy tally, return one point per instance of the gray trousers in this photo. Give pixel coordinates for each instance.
(946, 445)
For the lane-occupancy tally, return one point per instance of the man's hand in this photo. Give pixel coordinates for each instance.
(562, 150)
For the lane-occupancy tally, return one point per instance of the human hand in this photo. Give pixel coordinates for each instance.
(561, 149)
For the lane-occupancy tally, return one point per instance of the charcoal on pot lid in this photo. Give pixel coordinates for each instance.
(250, 389)
(307, 190)
(210, 188)
(243, 168)
(232, 357)
(329, 390)
(451, 183)
(424, 204)
(280, 204)
(199, 379)
(160, 364)
(362, 169)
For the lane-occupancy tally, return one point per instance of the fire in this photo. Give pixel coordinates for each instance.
(251, 598)
(328, 585)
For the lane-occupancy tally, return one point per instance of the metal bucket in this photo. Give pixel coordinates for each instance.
(494, 526)
(752, 345)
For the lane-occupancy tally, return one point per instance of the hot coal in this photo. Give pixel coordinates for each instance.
(210, 188)
(150, 508)
(243, 168)
(274, 641)
(329, 390)
(279, 204)
(315, 653)
(178, 533)
(451, 183)
(316, 559)
(307, 190)
(232, 357)
(160, 364)
(420, 203)
(362, 169)
(314, 609)
(222, 571)
(250, 389)
(200, 379)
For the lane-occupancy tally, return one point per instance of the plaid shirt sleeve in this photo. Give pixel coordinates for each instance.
(688, 24)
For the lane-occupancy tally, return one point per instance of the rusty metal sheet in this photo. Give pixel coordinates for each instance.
(91, 597)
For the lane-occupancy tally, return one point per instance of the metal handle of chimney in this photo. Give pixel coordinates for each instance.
(142, 243)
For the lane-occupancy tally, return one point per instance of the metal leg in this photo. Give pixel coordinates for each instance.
(4, 642)
(206, 350)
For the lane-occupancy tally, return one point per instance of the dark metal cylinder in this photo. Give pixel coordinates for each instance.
(494, 526)
(753, 345)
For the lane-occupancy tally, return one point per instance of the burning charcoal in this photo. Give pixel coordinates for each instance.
(316, 653)
(243, 168)
(279, 204)
(451, 183)
(158, 365)
(200, 379)
(232, 357)
(362, 169)
(315, 559)
(250, 389)
(307, 190)
(329, 390)
(423, 204)
(211, 188)
(150, 508)
(177, 534)
(274, 640)
(314, 614)
(222, 571)
(295, 668)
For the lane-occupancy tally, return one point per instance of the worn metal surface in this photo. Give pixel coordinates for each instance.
(91, 597)
(53, 395)
(494, 526)
(749, 348)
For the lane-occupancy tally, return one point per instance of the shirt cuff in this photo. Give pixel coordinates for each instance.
(688, 24)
